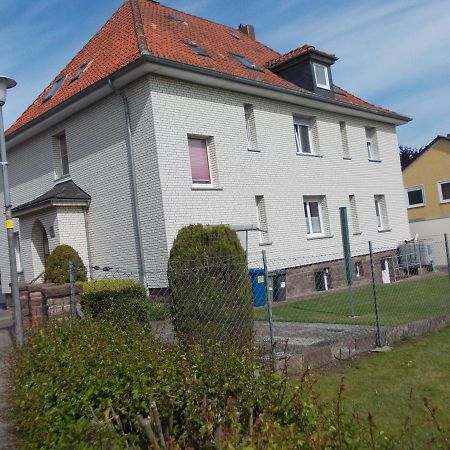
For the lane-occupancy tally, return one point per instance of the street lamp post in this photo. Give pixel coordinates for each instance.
(8, 83)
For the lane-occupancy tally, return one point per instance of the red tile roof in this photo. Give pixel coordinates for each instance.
(116, 44)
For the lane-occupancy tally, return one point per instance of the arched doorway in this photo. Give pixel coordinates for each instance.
(40, 247)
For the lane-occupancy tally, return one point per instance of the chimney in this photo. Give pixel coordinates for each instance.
(249, 30)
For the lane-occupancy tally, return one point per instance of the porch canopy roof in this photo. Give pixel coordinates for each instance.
(66, 193)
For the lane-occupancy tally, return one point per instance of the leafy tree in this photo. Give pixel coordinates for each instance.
(408, 155)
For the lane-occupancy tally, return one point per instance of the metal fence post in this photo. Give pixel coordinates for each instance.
(448, 254)
(73, 306)
(269, 308)
(375, 296)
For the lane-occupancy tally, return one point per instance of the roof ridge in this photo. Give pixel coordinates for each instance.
(139, 28)
(218, 24)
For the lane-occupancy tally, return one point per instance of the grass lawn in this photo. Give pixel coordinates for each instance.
(401, 302)
(381, 384)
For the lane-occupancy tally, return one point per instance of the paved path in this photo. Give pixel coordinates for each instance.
(6, 432)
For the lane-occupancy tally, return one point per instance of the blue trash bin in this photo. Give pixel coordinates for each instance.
(258, 286)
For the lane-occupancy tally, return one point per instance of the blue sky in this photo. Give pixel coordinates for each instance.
(393, 53)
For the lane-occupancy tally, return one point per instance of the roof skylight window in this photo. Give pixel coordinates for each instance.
(197, 49)
(245, 62)
(177, 19)
(55, 88)
(80, 71)
(236, 36)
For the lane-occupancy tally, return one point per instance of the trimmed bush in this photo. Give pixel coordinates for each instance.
(210, 286)
(120, 300)
(57, 266)
(81, 384)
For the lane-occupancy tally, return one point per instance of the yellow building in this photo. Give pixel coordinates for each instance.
(427, 185)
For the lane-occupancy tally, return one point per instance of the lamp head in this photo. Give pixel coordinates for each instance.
(5, 83)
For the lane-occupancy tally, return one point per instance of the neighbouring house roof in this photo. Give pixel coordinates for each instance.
(142, 28)
(65, 192)
(426, 148)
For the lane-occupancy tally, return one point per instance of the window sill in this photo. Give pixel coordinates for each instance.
(254, 150)
(347, 158)
(313, 155)
(205, 188)
(442, 202)
(322, 236)
(262, 244)
(416, 206)
(358, 233)
(385, 230)
(375, 160)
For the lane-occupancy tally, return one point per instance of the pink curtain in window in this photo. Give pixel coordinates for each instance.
(198, 154)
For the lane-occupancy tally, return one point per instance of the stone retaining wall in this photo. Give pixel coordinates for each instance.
(41, 301)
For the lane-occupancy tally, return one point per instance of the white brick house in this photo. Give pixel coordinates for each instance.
(207, 140)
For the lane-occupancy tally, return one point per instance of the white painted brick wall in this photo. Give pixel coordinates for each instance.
(163, 113)
(276, 172)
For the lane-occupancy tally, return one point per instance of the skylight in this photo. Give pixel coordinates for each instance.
(197, 49)
(79, 72)
(245, 62)
(55, 88)
(236, 36)
(177, 19)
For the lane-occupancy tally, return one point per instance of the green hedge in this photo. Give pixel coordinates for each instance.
(69, 376)
(210, 286)
(57, 265)
(120, 300)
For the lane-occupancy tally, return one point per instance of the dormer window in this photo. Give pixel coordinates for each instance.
(321, 76)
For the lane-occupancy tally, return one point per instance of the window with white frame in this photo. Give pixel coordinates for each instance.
(416, 196)
(444, 191)
(250, 126)
(60, 156)
(200, 161)
(303, 130)
(381, 212)
(314, 215)
(321, 76)
(262, 219)
(344, 140)
(371, 144)
(354, 214)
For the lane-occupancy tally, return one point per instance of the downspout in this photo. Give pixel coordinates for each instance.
(133, 186)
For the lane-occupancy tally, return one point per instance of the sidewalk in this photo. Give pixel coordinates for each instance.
(6, 434)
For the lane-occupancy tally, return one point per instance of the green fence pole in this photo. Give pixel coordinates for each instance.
(375, 296)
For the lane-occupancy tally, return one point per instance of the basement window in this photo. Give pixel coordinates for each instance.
(177, 19)
(245, 62)
(197, 49)
(80, 71)
(54, 89)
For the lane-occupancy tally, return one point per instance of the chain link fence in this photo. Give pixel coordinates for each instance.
(376, 288)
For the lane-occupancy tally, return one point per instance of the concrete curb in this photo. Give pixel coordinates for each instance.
(352, 346)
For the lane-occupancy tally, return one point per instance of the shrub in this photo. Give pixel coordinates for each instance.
(57, 266)
(120, 300)
(81, 384)
(210, 286)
